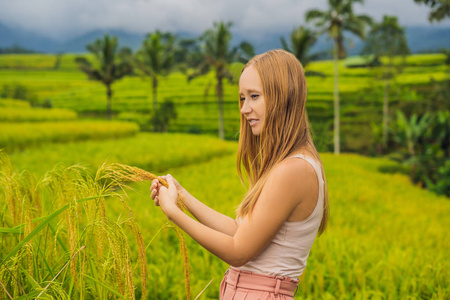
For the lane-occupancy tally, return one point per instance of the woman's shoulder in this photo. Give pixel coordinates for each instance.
(294, 170)
(292, 180)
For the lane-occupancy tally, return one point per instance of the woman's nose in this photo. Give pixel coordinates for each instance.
(245, 109)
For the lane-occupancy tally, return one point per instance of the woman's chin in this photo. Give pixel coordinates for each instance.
(256, 131)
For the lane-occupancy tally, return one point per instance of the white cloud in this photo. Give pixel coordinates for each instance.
(62, 19)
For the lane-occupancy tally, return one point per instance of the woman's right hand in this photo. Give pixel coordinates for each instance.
(154, 188)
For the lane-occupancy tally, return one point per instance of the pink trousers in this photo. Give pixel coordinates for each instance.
(240, 285)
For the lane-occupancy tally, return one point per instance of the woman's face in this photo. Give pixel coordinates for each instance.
(252, 98)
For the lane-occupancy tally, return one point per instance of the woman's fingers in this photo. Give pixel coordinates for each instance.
(154, 189)
(156, 186)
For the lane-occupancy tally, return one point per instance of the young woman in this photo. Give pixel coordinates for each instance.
(286, 206)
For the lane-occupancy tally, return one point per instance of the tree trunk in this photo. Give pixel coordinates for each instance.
(108, 101)
(155, 93)
(386, 113)
(337, 149)
(219, 90)
(387, 83)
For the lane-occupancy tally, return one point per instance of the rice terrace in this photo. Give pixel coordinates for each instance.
(77, 155)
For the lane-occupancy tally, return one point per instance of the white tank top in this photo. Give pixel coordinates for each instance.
(287, 253)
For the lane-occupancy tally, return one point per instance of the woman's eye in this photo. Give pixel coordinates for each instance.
(242, 98)
(254, 96)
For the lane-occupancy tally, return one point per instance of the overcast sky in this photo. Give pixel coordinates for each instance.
(64, 19)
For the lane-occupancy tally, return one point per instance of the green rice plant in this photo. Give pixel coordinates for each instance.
(149, 151)
(36, 114)
(14, 136)
(89, 254)
(40, 61)
(9, 103)
(26, 61)
(425, 59)
(197, 110)
(387, 238)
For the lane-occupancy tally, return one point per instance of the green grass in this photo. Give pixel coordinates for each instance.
(69, 88)
(386, 239)
(150, 151)
(9, 114)
(40, 61)
(8, 102)
(22, 135)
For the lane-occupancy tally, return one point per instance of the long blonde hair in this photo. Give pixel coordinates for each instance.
(285, 130)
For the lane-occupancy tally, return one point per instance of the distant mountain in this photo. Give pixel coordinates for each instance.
(423, 39)
(78, 44)
(420, 39)
(27, 39)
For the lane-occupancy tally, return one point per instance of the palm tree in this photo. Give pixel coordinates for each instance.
(155, 58)
(217, 55)
(440, 9)
(301, 40)
(386, 39)
(408, 131)
(113, 64)
(338, 18)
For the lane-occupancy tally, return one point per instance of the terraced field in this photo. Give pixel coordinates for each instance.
(361, 94)
(387, 239)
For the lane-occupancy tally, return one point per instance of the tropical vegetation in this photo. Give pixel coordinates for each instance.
(338, 18)
(76, 219)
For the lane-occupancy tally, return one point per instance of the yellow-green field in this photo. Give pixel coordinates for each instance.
(20, 135)
(387, 239)
(67, 87)
(68, 233)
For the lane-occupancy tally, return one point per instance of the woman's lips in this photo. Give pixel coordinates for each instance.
(253, 122)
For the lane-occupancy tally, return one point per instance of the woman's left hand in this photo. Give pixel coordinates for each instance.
(168, 197)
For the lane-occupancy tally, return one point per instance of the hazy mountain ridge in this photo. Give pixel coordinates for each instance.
(420, 39)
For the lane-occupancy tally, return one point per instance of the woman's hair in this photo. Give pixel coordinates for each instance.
(285, 129)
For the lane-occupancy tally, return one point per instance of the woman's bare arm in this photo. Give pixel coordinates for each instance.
(208, 216)
(203, 213)
(285, 188)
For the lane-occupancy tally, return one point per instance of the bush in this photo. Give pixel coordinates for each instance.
(424, 142)
(18, 91)
(163, 115)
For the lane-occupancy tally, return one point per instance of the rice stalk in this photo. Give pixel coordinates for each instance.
(104, 286)
(72, 231)
(141, 254)
(120, 257)
(71, 191)
(98, 236)
(10, 273)
(6, 291)
(204, 289)
(27, 230)
(185, 256)
(119, 173)
(54, 292)
(7, 179)
(30, 189)
(5, 275)
(131, 222)
(56, 276)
